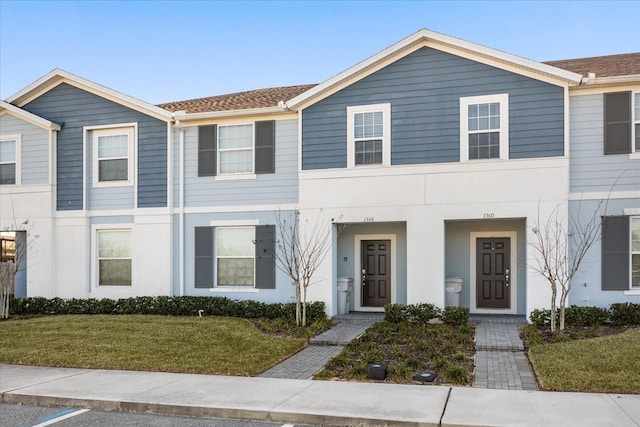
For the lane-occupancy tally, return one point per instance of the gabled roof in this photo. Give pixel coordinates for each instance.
(58, 76)
(29, 117)
(253, 99)
(439, 41)
(626, 64)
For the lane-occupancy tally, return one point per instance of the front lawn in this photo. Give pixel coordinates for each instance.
(408, 348)
(607, 364)
(207, 345)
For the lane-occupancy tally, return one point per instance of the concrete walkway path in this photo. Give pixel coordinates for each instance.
(311, 402)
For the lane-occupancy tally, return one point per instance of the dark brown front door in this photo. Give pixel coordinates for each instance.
(493, 271)
(376, 273)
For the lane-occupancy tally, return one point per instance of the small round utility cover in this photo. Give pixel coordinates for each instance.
(426, 377)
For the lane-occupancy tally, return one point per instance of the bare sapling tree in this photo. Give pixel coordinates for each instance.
(561, 245)
(9, 269)
(299, 252)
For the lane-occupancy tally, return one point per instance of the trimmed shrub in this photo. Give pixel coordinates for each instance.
(455, 316)
(422, 313)
(393, 313)
(165, 305)
(626, 313)
(585, 316)
(540, 318)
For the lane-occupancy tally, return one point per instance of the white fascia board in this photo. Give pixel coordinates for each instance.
(422, 37)
(186, 117)
(57, 76)
(612, 80)
(29, 117)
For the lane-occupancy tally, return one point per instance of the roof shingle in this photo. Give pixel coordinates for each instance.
(626, 64)
(603, 66)
(260, 98)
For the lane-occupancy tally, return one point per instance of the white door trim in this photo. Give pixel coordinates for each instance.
(357, 274)
(513, 236)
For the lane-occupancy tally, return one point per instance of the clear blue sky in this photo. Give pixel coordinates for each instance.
(163, 51)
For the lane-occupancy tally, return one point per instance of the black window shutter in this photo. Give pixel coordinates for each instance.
(265, 260)
(207, 150)
(615, 253)
(203, 257)
(265, 147)
(617, 123)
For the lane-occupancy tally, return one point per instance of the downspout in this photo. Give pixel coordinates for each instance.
(181, 206)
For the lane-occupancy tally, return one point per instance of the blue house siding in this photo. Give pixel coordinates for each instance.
(268, 188)
(424, 90)
(75, 108)
(586, 289)
(284, 290)
(34, 148)
(590, 169)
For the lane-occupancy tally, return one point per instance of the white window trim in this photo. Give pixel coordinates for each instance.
(238, 175)
(18, 139)
(503, 99)
(633, 290)
(95, 230)
(386, 133)
(635, 153)
(129, 128)
(227, 224)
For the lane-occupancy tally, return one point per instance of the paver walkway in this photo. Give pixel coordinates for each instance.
(310, 360)
(500, 359)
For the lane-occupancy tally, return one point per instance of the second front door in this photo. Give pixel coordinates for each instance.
(376, 273)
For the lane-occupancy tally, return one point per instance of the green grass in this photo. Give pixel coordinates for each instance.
(609, 364)
(207, 345)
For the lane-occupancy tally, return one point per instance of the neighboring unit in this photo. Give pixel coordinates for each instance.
(429, 162)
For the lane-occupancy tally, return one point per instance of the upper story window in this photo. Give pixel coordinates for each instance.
(621, 123)
(238, 150)
(369, 135)
(484, 127)
(235, 149)
(114, 257)
(113, 156)
(10, 159)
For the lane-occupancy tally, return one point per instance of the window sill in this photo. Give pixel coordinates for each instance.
(632, 292)
(235, 177)
(113, 184)
(235, 290)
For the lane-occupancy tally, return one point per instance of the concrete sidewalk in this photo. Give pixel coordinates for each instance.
(311, 402)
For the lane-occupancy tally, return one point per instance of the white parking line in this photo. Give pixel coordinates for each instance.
(59, 416)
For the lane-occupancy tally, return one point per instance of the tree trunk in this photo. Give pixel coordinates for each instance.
(563, 303)
(554, 294)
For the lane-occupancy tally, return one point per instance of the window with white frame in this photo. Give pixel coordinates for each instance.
(113, 156)
(10, 160)
(235, 149)
(484, 127)
(114, 257)
(635, 252)
(235, 256)
(369, 135)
